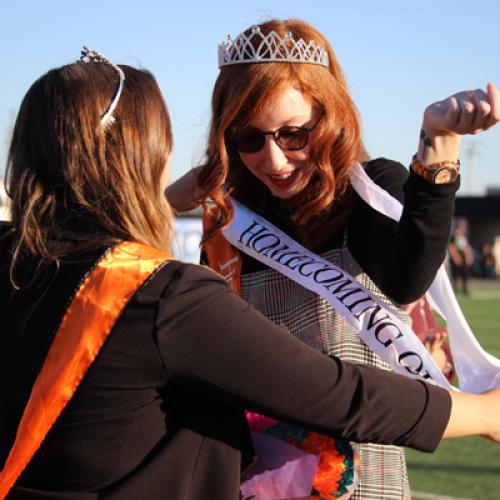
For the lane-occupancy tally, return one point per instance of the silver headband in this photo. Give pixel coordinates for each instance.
(92, 56)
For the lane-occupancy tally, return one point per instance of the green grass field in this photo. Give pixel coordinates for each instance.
(465, 468)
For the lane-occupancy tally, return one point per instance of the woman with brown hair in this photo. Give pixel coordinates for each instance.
(285, 142)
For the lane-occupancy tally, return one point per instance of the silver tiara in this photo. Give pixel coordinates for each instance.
(259, 48)
(92, 56)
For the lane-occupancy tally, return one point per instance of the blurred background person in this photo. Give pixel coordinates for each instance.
(487, 262)
(461, 256)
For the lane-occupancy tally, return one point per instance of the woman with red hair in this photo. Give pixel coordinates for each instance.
(284, 141)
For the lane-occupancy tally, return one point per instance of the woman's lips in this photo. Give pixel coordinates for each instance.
(284, 180)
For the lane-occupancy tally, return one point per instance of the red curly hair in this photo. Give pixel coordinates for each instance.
(241, 92)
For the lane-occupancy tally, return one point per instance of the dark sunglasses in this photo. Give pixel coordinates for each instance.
(287, 138)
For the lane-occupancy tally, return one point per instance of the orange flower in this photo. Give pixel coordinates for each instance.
(331, 463)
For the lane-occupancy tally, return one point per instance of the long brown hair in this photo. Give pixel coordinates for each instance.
(68, 173)
(240, 93)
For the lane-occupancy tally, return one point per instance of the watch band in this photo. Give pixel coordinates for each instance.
(443, 172)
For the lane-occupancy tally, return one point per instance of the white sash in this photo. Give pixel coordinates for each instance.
(476, 369)
(378, 327)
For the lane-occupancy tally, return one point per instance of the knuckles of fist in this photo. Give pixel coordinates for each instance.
(468, 112)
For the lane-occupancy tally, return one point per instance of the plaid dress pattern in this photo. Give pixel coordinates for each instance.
(311, 319)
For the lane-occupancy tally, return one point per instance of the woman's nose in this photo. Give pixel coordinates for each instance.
(274, 157)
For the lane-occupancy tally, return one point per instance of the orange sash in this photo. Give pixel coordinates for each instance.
(221, 255)
(85, 326)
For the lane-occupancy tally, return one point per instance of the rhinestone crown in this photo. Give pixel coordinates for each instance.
(259, 48)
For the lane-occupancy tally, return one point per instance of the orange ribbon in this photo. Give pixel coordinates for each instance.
(221, 255)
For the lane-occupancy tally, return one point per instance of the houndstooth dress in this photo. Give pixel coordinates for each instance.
(311, 319)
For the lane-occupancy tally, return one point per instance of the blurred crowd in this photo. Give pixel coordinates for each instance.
(466, 260)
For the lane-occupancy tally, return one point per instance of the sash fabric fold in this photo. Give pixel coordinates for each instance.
(89, 319)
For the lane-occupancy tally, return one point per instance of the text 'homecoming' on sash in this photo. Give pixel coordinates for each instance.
(377, 325)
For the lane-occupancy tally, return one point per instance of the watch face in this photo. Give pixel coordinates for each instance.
(443, 175)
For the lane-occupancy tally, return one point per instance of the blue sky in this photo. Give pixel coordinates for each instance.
(398, 57)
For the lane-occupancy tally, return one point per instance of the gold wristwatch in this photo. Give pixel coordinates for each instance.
(443, 172)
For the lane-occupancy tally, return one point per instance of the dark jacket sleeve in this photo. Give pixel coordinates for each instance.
(221, 346)
(403, 258)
